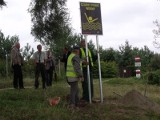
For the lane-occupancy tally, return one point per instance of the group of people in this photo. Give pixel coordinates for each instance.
(75, 63)
(44, 65)
(76, 70)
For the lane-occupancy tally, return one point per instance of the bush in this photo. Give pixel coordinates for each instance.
(108, 70)
(154, 78)
(2, 68)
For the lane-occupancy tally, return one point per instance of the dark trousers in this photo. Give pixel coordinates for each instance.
(40, 68)
(74, 98)
(85, 92)
(49, 76)
(18, 77)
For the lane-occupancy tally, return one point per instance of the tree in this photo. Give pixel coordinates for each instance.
(127, 57)
(146, 55)
(155, 62)
(2, 3)
(156, 32)
(27, 52)
(6, 44)
(51, 23)
(108, 55)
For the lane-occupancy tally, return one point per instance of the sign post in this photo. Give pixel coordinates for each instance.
(91, 24)
(138, 65)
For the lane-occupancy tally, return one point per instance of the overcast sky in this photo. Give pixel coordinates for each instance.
(122, 20)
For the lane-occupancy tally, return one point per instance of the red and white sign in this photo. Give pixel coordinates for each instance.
(137, 59)
(138, 73)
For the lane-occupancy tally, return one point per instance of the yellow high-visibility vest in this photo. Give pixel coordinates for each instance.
(84, 56)
(70, 69)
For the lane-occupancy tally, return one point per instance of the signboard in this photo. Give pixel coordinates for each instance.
(91, 22)
(137, 59)
(138, 73)
(137, 64)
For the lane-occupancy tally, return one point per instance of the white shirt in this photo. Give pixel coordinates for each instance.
(39, 57)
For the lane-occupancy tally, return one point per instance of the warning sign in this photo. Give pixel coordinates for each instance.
(91, 22)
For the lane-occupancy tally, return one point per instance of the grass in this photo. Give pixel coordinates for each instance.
(31, 104)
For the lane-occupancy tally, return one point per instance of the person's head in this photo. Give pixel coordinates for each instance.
(76, 50)
(48, 52)
(83, 43)
(39, 48)
(65, 50)
(17, 45)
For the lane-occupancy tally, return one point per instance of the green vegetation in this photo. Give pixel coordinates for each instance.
(31, 104)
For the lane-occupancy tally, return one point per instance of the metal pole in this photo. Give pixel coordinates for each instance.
(6, 65)
(88, 71)
(59, 67)
(99, 66)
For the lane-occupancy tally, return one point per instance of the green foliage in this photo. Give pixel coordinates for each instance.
(2, 68)
(6, 44)
(154, 77)
(51, 24)
(28, 69)
(108, 70)
(155, 62)
(27, 52)
(108, 55)
(127, 57)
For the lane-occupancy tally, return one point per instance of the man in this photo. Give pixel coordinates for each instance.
(16, 59)
(91, 57)
(74, 74)
(39, 60)
(49, 66)
(66, 53)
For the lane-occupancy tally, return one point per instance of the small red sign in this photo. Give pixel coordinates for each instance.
(137, 59)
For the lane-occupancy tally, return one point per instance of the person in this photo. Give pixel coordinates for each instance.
(74, 74)
(66, 53)
(91, 57)
(17, 62)
(39, 60)
(50, 67)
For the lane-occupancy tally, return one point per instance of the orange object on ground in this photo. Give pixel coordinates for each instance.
(54, 101)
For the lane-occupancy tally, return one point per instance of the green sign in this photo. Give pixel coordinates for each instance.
(91, 22)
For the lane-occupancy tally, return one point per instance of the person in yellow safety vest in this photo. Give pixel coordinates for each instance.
(91, 57)
(74, 74)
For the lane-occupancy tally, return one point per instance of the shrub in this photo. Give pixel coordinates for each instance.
(108, 70)
(154, 78)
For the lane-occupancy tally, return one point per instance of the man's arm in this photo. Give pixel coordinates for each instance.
(77, 66)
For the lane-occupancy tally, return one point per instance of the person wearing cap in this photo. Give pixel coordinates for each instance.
(39, 60)
(74, 74)
(17, 62)
(91, 57)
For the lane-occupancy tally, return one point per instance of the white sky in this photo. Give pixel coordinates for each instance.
(122, 20)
